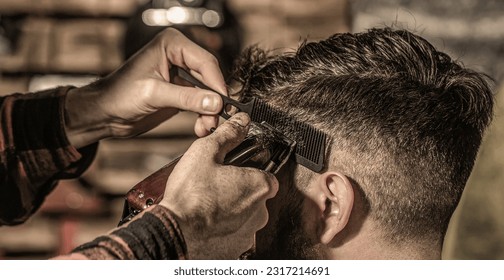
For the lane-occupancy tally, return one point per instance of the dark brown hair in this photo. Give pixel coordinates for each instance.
(405, 120)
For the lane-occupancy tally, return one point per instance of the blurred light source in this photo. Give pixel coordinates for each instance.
(182, 16)
(155, 17)
(74, 200)
(178, 15)
(211, 18)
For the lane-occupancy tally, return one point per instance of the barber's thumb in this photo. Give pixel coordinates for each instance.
(186, 98)
(230, 134)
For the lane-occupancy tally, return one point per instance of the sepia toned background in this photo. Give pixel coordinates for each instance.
(46, 43)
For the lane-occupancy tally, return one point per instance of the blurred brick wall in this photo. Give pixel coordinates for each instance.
(58, 42)
(76, 41)
(74, 38)
(60, 36)
(283, 24)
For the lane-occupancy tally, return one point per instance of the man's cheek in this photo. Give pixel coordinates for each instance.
(311, 219)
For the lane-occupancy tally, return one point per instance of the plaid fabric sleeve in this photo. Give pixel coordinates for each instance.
(35, 152)
(153, 235)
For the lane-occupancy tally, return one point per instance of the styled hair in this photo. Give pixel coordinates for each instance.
(405, 121)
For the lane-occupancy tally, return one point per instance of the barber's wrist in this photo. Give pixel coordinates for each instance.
(184, 226)
(84, 122)
(153, 234)
(199, 245)
(180, 219)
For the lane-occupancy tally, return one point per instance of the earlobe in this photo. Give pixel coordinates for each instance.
(336, 203)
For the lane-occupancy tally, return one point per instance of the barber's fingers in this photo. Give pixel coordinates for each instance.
(168, 95)
(260, 185)
(227, 136)
(202, 64)
(259, 218)
(255, 222)
(256, 187)
(204, 123)
(246, 193)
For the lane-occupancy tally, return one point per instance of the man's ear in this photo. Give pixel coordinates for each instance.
(335, 200)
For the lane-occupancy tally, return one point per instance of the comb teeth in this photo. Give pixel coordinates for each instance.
(310, 142)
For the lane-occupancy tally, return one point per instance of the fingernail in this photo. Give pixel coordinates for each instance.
(210, 103)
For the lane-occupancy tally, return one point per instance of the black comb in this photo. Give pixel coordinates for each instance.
(310, 142)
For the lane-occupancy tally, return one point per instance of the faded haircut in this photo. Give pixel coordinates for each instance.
(405, 120)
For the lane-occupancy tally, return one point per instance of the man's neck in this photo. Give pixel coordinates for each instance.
(367, 245)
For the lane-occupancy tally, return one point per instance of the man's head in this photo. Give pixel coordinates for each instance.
(405, 123)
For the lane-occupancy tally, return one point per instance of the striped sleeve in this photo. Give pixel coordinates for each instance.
(35, 152)
(152, 235)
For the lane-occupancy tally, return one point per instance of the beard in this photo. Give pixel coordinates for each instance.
(287, 238)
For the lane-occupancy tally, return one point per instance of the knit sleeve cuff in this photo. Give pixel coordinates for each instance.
(40, 137)
(153, 235)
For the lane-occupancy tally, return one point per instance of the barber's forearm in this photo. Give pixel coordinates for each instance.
(84, 122)
(35, 152)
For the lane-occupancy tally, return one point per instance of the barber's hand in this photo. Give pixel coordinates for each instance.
(139, 95)
(219, 207)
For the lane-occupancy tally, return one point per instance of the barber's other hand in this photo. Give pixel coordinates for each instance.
(219, 207)
(139, 95)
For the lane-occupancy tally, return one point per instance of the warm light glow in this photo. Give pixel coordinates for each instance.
(181, 15)
(155, 17)
(211, 18)
(177, 15)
